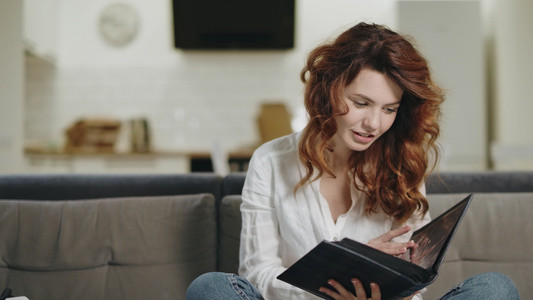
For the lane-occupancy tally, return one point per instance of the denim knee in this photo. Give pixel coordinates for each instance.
(222, 286)
(204, 284)
(496, 286)
(502, 286)
(485, 286)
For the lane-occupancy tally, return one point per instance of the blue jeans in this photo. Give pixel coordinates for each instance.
(486, 286)
(225, 286)
(222, 286)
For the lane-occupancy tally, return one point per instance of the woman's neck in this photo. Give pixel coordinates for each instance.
(339, 157)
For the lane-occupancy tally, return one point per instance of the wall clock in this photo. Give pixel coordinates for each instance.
(118, 24)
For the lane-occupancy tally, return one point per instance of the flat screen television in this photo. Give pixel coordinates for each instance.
(233, 24)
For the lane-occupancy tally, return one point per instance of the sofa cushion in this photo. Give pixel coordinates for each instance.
(229, 234)
(232, 184)
(495, 235)
(113, 248)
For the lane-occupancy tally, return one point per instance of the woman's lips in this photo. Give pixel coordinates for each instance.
(363, 137)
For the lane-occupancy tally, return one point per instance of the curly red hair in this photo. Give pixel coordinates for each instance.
(392, 169)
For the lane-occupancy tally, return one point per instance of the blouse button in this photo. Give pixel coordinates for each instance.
(335, 239)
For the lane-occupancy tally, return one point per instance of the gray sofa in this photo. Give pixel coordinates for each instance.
(148, 236)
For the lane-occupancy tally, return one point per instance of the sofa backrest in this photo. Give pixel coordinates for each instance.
(90, 186)
(480, 182)
(115, 248)
(438, 183)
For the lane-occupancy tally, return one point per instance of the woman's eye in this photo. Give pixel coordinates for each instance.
(359, 104)
(391, 110)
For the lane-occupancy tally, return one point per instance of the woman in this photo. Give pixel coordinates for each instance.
(357, 170)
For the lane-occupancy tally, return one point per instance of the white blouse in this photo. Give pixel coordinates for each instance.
(279, 225)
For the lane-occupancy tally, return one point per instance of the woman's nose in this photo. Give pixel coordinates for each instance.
(372, 120)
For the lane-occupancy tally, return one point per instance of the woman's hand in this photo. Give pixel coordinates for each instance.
(342, 293)
(384, 244)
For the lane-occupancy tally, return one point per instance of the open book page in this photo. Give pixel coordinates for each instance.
(432, 238)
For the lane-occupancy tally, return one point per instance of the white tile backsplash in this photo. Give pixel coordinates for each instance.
(189, 105)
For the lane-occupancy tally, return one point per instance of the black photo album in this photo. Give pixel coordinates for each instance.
(397, 277)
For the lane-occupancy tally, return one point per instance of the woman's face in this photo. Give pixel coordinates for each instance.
(373, 100)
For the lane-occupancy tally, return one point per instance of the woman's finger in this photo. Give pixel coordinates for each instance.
(376, 292)
(360, 292)
(388, 236)
(329, 292)
(396, 248)
(344, 293)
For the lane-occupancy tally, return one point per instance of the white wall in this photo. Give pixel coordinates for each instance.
(194, 98)
(190, 98)
(513, 103)
(11, 86)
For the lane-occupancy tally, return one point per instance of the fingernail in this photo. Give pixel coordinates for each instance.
(373, 285)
